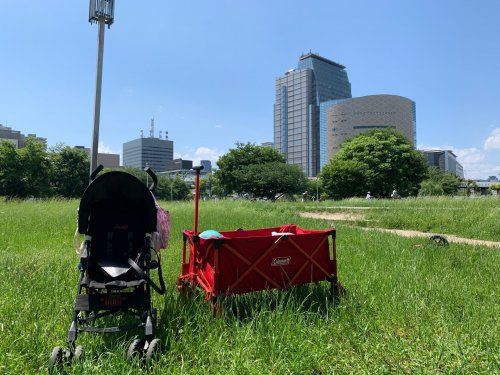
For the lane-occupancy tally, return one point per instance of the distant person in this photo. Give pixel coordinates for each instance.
(395, 194)
(369, 195)
(304, 196)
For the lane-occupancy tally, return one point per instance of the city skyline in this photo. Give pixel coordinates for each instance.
(210, 88)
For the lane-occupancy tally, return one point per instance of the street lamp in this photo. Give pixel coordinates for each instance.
(101, 12)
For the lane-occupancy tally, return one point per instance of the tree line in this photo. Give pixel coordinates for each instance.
(379, 161)
(62, 171)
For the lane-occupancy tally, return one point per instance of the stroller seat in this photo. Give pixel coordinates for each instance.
(118, 216)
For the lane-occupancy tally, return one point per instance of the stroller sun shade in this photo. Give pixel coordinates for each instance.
(119, 192)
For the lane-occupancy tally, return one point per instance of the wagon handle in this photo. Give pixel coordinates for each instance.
(197, 170)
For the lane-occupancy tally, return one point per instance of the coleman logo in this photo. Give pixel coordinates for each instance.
(283, 261)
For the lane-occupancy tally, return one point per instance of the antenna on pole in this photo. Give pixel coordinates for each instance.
(160, 134)
(142, 134)
(152, 131)
(166, 134)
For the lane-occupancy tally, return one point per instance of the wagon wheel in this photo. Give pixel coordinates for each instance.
(217, 309)
(439, 240)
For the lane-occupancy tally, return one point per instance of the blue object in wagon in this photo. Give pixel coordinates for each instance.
(210, 233)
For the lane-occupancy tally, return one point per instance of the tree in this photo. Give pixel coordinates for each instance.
(470, 187)
(270, 179)
(167, 186)
(70, 171)
(237, 159)
(35, 170)
(314, 188)
(494, 187)
(211, 186)
(378, 161)
(172, 188)
(10, 170)
(439, 183)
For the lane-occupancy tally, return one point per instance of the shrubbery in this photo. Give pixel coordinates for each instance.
(439, 183)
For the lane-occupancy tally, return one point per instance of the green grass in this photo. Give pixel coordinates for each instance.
(409, 307)
(465, 217)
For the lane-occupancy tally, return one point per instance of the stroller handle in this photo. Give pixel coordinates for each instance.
(96, 171)
(153, 176)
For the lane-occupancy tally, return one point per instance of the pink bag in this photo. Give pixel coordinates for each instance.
(161, 236)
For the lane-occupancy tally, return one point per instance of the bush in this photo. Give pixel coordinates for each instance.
(378, 161)
(439, 183)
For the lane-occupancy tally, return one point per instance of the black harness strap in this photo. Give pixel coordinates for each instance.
(159, 289)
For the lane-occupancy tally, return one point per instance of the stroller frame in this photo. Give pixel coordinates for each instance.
(129, 295)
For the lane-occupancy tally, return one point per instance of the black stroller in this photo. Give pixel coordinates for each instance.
(118, 216)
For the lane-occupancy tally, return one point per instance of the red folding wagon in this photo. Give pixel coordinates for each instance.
(244, 261)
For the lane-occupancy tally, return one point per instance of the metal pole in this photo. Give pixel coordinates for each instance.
(196, 199)
(97, 103)
(171, 188)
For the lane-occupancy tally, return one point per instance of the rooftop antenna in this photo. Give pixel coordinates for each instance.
(152, 131)
(160, 134)
(142, 134)
(166, 134)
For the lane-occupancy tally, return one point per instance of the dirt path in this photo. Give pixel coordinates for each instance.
(449, 237)
(356, 216)
(334, 216)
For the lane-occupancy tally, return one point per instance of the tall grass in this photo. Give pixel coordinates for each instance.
(466, 217)
(409, 307)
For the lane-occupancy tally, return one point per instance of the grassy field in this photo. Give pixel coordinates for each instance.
(465, 217)
(410, 307)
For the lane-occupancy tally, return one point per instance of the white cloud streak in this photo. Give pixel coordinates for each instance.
(201, 153)
(493, 141)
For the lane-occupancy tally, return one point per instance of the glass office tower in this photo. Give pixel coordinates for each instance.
(299, 94)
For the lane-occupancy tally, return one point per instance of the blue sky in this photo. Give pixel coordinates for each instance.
(205, 70)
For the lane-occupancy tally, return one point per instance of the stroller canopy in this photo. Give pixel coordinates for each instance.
(119, 192)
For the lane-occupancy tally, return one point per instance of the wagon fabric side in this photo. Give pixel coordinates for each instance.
(244, 261)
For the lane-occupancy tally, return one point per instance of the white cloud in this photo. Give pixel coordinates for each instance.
(105, 149)
(218, 126)
(469, 155)
(201, 153)
(493, 141)
(473, 160)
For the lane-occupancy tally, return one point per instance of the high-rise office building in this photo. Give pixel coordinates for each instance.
(344, 119)
(148, 152)
(17, 138)
(104, 159)
(156, 153)
(299, 94)
(207, 166)
(444, 160)
(180, 165)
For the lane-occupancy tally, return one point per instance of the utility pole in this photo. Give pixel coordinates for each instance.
(102, 13)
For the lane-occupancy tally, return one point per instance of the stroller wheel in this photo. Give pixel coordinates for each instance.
(135, 349)
(78, 355)
(154, 349)
(56, 358)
